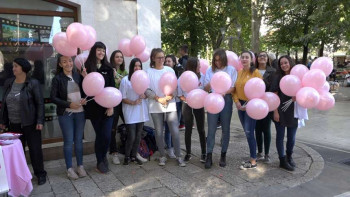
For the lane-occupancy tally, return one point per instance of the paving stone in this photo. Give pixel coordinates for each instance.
(161, 192)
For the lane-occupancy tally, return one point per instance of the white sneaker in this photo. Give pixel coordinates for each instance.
(71, 174)
(171, 153)
(181, 162)
(139, 157)
(162, 161)
(81, 171)
(115, 159)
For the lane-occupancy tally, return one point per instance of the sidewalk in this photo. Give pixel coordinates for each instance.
(192, 180)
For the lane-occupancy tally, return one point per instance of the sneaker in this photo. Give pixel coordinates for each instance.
(193, 127)
(203, 158)
(248, 165)
(267, 159)
(171, 153)
(181, 162)
(139, 157)
(187, 157)
(102, 168)
(81, 171)
(181, 127)
(162, 161)
(259, 157)
(137, 161)
(115, 159)
(218, 126)
(71, 174)
(126, 161)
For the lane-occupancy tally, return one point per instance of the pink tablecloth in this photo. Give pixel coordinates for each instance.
(18, 174)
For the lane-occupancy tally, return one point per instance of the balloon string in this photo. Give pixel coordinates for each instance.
(244, 104)
(90, 99)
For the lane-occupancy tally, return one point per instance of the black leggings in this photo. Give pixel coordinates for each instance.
(263, 134)
(117, 112)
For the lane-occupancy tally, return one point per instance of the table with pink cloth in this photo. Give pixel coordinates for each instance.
(17, 171)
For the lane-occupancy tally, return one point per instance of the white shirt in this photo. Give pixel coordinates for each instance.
(230, 70)
(154, 76)
(180, 92)
(133, 113)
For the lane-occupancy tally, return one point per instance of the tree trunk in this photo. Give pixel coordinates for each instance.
(194, 48)
(256, 22)
(320, 52)
(310, 9)
(296, 56)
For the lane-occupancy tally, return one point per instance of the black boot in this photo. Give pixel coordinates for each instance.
(222, 160)
(209, 161)
(126, 161)
(290, 160)
(285, 165)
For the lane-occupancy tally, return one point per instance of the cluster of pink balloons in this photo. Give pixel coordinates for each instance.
(136, 46)
(139, 82)
(188, 81)
(310, 86)
(77, 36)
(233, 60)
(93, 85)
(260, 102)
(168, 83)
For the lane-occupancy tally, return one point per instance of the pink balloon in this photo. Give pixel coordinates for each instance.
(220, 82)
(327, 101)
(195, 98)
(61, 45)
(139, 81)
(137, 44)
(232, 59)
(93, 84)
(257, 109)
(240, 65)
(308, 97)
(144, 55)
(124, 46)
(314, 78)
(254, 88)
(326, 87)
(168, 83)
(188, 81)
(272, 100)
(323, 63)
(214, 103)
(77, 35)
(204, 65)
(91, 38)
(80, 60)
(290, 85)
(109, 97)
(299, 70)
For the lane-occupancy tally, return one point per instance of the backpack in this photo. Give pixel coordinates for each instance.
(143, 149)
(150, 139)
(123, 136)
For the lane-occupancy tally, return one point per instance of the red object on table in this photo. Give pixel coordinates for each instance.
(17, 171)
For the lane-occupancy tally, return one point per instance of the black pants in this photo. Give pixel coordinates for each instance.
(32, 137)
(117, 112)
(133, 140)
(188, 118)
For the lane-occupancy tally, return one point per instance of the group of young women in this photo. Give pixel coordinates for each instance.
(73, 107)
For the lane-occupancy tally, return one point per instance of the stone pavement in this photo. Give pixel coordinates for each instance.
(192, 180)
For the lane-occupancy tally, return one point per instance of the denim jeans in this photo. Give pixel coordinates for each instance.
(248, 125)
(171, 119)
(103, 128)
(133, 140)
(291, 132)
(72, 126)
(225, 118)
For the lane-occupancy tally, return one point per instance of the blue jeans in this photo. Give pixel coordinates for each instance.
(248, 125)
(72, 126)
(103, 128)
(225, 117)
(179, 113)
(291, 132)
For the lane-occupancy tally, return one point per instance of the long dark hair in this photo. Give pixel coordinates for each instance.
(257, 57)
(112, 62)
(154, 52)
(291, 64)
(172, 58)
(132, 66)
(223, 58)
(91, 61)
(59, 69)
(252, 66)
(192, 65)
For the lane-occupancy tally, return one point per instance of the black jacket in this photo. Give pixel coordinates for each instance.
(268, 76)
(59, 90)
(92, 109)
(31, 100)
